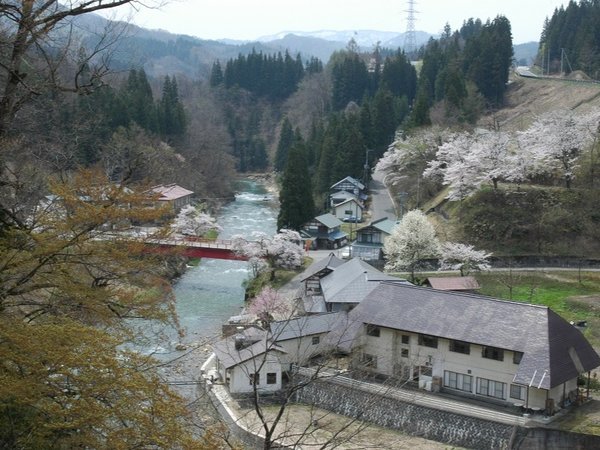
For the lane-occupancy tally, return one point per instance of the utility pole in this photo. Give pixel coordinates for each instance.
(366, 167)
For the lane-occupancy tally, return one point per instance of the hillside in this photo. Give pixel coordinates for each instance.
(528, 97)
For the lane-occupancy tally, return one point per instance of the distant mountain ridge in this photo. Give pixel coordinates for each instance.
(163, 53)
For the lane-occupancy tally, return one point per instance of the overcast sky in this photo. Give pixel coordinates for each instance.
(248, 19)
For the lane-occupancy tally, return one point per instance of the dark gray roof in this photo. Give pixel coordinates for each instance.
(303, 326)
(352, 181)
(229, 356)
(330, 263)
(314, 304)
(352, 281)
(553, 350)
(329, 220)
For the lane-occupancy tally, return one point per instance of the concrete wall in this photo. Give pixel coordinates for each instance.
(453, 429)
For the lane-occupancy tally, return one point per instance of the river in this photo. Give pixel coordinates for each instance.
(208, 294)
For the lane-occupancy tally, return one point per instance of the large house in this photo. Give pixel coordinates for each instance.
(501, 351)
(249, 360)
(256, 359)
(348, 210)
(352, 185)
(333, 285)
(370, 239)
(324, 232)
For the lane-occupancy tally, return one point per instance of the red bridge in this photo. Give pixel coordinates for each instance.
(197, 248)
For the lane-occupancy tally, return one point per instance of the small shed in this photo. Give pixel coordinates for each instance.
(172, 194)
(455, 284)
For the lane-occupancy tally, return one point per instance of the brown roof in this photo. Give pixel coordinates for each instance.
(171, 191)
(453, 283)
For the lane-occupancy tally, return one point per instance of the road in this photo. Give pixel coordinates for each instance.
(381, 201)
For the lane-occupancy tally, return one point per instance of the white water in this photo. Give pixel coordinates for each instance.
(208, 294)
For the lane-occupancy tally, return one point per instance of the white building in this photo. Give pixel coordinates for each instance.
(481, 347)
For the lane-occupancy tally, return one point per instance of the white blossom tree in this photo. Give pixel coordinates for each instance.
(191, 221)
(283, 250)
(407, 157)
(556, 140)
(463, 257)
(469, 160)
(410, 242)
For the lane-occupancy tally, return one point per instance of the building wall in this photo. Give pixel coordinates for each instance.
(450, 370)
(239, 376)
(340, 211)
(300, 350)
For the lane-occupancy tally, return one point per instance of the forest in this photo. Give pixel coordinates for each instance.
(570, 39)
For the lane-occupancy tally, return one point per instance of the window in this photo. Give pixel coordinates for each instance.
(458, 381)
(405, 339)
(271, 378)
(460, 347)
(348, 212)
(492, 353)
(373, 330)
(517, 391)
(316, 340)
(254, 379)
(517, 356)
(428, 341)
(369, 361)
(404, 353)
(490, 388)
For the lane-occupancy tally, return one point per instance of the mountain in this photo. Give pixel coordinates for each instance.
(525, 54)
(366, 39)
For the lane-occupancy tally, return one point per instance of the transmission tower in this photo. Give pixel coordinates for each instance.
(410, 39)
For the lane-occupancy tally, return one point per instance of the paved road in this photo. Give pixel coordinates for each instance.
(381, 202)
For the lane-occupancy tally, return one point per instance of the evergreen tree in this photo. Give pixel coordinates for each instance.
(297, 205)
(216, 74)
(349, 77)
(172, 121)
(139, 100)
(286, 139)
(385, 121)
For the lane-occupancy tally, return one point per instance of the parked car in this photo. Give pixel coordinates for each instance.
(352, 219)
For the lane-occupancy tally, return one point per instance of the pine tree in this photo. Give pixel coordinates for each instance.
(172, 121)
(216, 74)
(286, 139)
(297, 204)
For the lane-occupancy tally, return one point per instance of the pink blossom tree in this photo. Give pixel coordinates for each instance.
(270, 304)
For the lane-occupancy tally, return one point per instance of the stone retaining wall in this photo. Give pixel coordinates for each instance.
(441, 426)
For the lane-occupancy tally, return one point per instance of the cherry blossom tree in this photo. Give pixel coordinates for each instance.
(463, 257)
(410, 242)
(191, 221)
(407, 157)
(469, 160)
(283, 250)
(556, 140)
(270, 304)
